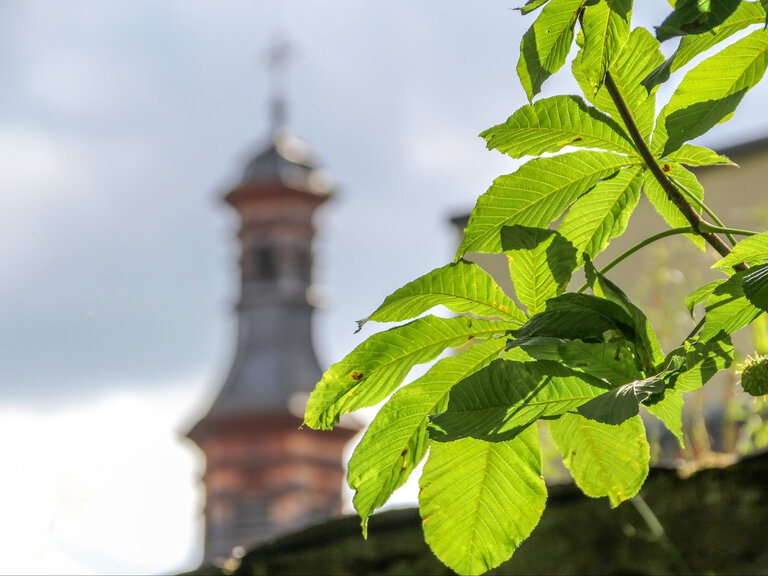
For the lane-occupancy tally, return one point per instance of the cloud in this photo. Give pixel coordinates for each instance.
(108, 487)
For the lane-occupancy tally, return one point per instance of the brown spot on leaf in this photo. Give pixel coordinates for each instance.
(356, 375)
(666, 168)
(404, 452)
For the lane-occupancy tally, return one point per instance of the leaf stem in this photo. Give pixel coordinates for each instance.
(696, 328)
(666, 184)
(704, 207)
(658, 532)
(639, 246)
(707, 227)
(671, 232)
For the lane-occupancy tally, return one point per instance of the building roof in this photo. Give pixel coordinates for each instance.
(290, 161)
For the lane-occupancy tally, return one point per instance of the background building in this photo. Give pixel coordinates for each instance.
(265, 474)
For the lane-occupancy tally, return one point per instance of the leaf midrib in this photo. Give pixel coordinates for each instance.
(413, 352)
(494, 230)
(631, 151)
(448, 294)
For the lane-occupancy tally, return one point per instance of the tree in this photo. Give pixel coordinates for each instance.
(582, 361)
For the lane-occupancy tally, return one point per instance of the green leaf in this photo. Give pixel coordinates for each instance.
(613, 360)
(756, 287)
(379, 365)
(604, 460)
(397, 440)
(532, 5)
(546, 44)
(541, 262)
(764, 6)
(670, 411)
(695, 17)
(461, 287)
(636, 60)
(480, 500)
(700, 295)
(691, 46)
(595, 218)
(710, 92)
(690, 155)
(646, 342)
(752, 250)
(704, 359)
(575, 316)
(498, 402)
(550, 124)
(665, 207)
(727, 309)
(536, 195)
(620, 404)
(606, 29)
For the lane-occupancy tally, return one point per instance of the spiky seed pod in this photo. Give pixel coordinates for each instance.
(754, 375)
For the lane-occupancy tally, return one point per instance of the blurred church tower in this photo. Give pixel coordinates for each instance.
(264, 475)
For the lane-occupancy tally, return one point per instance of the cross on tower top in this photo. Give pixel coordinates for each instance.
(278, 56)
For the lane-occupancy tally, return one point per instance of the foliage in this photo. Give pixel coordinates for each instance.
(582, 361)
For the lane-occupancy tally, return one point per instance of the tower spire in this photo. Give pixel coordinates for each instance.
(278, 56)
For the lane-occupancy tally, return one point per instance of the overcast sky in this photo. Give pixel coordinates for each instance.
(122, 123)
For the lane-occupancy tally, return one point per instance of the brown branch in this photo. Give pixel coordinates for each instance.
(677, 198)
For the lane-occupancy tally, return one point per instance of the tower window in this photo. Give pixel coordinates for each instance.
(266, 263)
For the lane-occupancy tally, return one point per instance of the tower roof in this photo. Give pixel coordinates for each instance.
(289, 161)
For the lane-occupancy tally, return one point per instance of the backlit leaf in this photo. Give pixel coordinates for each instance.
(695, 17)
(532, 5)
(540, 262)
(670, 411)
(604, 460)
(461, 287)
(700, 295)
(378, 366)
(550, 124)
(752, 250)
(727, 309)
(606, 28)
(711, 91)
(397, 439)
(595, 218)
(756, 287)
(746, 14)
(536, 195)
(499, 401)
(640, 55)
(690, 155)
(480, 500)
(704, 359)
(546, 44)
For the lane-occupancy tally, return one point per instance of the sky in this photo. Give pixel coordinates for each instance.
(122, 124)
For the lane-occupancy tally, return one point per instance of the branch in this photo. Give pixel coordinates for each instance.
(669, 188)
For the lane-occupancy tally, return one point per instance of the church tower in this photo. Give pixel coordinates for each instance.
(264, 475)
